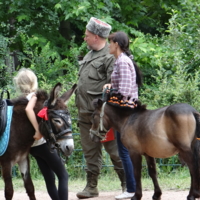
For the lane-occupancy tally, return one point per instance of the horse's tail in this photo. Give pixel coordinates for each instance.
(196, 148)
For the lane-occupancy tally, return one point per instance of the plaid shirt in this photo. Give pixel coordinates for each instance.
(123, 77)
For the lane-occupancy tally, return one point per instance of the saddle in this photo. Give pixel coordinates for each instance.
(116, 99)
(3, 111)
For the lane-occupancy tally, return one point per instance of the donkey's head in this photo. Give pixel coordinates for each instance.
(98, 128)
(56, 123)
(107, 115)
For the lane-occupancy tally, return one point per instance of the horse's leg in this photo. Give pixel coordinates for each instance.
(25, 172)
(7, 177)
(137, 165)
(153, 174)
(189, 158)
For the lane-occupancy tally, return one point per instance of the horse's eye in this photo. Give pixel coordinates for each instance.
(57, 121)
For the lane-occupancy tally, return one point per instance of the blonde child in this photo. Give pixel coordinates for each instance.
(26, 82)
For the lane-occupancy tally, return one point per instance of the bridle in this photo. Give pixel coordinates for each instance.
(51, 137)
(101, 126)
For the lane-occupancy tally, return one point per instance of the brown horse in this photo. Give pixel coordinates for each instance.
(57, 130)
(159, 133)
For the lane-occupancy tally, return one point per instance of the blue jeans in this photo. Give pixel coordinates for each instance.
(127, 164)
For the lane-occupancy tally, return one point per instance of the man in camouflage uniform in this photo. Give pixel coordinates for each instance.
(95, 70)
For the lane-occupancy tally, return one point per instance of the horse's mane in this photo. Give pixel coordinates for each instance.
(21, 100)
(42, 95)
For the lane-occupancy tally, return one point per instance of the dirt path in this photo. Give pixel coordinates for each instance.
(147, 195)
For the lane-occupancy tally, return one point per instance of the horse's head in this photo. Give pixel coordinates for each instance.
(98, 121)
(111, 114)
(56, 123)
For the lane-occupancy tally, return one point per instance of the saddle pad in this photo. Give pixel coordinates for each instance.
(4, 138)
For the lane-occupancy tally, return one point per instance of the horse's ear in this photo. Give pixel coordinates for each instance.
(97, 103)
(66, 96)
(55, 93)
(100, 103)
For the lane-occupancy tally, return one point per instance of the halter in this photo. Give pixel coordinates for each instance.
(102, 128)
(61, 135)
(52, 137)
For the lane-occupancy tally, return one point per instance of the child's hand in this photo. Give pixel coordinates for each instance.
(37, 135)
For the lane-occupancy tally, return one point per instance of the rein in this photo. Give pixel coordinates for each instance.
(102, 128)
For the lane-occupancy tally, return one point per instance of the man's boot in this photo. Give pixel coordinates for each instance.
(122, 178)
(91, 187)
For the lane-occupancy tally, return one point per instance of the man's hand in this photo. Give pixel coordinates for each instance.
(96, 136)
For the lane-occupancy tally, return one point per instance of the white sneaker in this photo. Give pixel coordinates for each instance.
(125, 195)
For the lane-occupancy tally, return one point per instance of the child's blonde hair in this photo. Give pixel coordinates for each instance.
(26, 81)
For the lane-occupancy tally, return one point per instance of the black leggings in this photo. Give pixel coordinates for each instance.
(49, 163)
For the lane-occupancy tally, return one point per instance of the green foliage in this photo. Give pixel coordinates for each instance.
(25, 17)
(147, 16)
(5, 58)
(3, 46)
(172, 88)
(62, 20)
(176, 79)
(49, 65)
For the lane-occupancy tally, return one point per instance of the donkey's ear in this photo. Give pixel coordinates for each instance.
(54, 94)
(66, 96)
(100, 103)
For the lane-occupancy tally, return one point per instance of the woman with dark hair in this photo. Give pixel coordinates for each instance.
(125, 78)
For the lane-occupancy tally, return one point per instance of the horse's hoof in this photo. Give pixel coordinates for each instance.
(154, 197)
(136, 198)
(190, 197)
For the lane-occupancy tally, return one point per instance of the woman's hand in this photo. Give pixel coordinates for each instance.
(107, 87)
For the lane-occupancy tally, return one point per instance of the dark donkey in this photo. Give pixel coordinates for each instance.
(57, 129)
(159, 133)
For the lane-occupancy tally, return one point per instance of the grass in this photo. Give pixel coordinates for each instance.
(178, 180)
(174, 181)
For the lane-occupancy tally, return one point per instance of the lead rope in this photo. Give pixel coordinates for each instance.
(102, 128)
